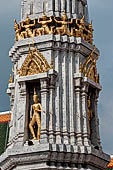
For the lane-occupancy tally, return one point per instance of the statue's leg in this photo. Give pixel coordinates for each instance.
(29, 32)
(52, 30)
(34, 33)
(39, 126)
(31, 124)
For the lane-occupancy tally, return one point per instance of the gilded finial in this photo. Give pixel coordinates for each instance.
(15, 21)
(15, 25)
(82, 20)
(90, 25)
(11, 79)
(35, 94)
(44, 16)
(64, 17)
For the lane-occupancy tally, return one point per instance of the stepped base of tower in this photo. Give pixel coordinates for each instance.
(53, 156)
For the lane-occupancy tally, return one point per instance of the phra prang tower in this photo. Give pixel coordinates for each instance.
(54, 89)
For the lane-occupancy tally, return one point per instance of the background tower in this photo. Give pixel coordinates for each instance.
(54, 53)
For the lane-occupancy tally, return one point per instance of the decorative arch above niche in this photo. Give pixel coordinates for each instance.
(92, 72)
(89, 67)
(34, 63)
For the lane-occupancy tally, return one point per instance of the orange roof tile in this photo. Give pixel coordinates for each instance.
(5, 118)
(110, 165)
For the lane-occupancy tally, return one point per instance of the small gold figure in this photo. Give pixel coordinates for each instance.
(81, 26)
(45, 28)
(89, 114)
(90, 33)
(37, 108)
(11, 78)
(64, 28)
(28, 27)
(17, 28)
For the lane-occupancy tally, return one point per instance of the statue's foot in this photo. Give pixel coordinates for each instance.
(38, 137)
(34, 138)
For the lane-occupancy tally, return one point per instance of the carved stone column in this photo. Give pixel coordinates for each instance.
(21, 112)
(51, 6)
(85, 114)
(57, 5)
(52, 108)
(71, 95)
(58, 93)
(97, 119)
(68, 6)
(65, 95)
(78, 110)
(63, 5)
(44, 113)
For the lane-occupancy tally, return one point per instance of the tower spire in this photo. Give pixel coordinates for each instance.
(73, 8)
(62, 69)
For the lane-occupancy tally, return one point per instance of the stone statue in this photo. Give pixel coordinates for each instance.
(44, 22)
(64, 28)
(89, 114)
(35, 118)
(28, 27)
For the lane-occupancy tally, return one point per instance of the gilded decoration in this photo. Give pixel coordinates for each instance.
(11, 79)
(89, 67)
(11, 76)
(35, 117)
(54, 25)
(34, 63)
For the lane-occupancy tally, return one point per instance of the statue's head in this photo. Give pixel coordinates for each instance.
(44, 17)
(35, 97)
(27, 20)
(82, 20)
(64, 17)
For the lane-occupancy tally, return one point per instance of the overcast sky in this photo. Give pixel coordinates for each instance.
(101, 12)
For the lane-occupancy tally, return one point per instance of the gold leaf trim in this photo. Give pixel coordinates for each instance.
(34, 63)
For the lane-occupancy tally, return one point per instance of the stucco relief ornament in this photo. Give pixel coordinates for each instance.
(54, 25)
(89, 67)
(34, 63)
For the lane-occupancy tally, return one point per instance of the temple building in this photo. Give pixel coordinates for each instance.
(54, 89)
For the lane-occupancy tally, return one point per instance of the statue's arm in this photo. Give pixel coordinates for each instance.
(50, 20)
(59, 22)
(22, 24)
(71, 21)
(39, 21)
(40, 107)
(77, 22)
(33, 23)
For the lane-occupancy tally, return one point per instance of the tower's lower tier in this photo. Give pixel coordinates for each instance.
(53, 156)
